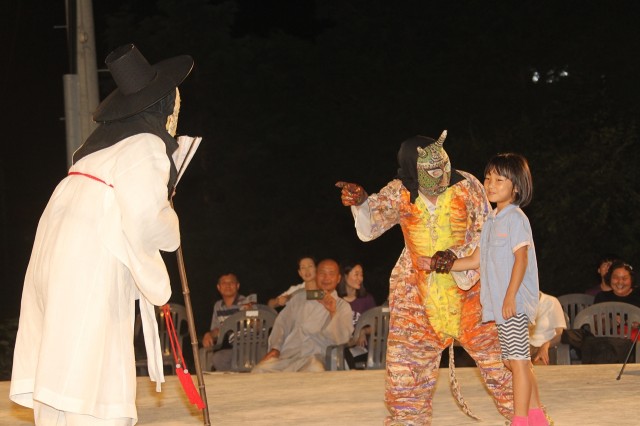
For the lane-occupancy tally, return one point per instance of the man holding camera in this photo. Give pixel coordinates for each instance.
(310, 322)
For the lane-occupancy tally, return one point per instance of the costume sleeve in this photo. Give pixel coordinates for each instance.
(340, 328)
(379, 212)
(473, 200)
(149, 224)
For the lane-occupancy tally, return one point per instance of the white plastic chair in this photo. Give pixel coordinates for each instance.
(378, 319)
(610, 319)
(573, 303)
(250, 341)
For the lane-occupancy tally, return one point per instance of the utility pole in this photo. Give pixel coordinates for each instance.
(81, 84)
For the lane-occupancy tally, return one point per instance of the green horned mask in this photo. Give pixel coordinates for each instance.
(434, 168)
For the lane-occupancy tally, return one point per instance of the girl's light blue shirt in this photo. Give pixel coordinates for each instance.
(502, 234)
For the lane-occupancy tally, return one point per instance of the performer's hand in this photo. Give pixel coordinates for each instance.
(352, 194)
(442, 261)
(424, 263)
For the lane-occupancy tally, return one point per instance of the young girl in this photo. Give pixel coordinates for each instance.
(509, 276)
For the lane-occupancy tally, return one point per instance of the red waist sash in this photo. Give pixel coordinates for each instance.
(90, 177)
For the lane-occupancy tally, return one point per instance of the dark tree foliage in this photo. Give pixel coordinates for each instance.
(292, 96)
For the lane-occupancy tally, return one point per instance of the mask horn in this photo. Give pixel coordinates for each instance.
(441, 139)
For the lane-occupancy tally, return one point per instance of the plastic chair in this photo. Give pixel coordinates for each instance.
(573, 303)
(378, 319)
(266, 308)
(249, 336)
(560, 354)
(610, 319)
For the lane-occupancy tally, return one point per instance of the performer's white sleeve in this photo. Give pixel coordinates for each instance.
(152, 342)
(362, 218)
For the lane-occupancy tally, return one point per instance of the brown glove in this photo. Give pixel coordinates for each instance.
(442, 261)
(352, 194)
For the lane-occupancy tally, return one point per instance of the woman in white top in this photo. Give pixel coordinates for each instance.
(547, 331)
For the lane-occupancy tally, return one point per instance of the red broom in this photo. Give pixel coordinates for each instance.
(183, 374)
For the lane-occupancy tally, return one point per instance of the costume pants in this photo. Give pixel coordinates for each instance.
(414, 351)
(46, 415)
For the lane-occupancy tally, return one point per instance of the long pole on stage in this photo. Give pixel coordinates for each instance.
(192, 333)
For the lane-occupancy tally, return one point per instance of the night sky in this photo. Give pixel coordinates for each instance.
(291, 96)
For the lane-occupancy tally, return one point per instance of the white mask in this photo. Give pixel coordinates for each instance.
(172, 120)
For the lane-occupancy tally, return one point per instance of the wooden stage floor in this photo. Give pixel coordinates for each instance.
(574, 395)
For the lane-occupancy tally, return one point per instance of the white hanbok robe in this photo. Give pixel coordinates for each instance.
(96, 250)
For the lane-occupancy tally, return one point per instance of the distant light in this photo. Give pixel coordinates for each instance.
(553, 75)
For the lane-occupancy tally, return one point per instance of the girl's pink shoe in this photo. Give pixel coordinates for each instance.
(537, 417)
(519, 421)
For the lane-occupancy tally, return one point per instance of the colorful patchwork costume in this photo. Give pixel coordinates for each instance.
(429, 310)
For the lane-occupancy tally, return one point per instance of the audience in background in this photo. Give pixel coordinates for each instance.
(307, 271)
(305, 327)
(547, 331)
(603, 268)
(620, 279)
(604, 349)
(231, 302)
(352, 290)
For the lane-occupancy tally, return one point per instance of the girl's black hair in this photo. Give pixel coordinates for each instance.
(515, 168)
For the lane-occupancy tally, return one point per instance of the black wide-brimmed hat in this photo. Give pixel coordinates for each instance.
(140, 85)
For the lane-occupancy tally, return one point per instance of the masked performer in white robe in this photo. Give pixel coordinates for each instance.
(96, 251)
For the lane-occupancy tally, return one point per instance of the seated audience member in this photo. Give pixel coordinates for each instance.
(352, 290)
(231, 302)
(307, 271)
(305, 327)
(603, 268)
(620, 279)
(547, 331)
(607, 350)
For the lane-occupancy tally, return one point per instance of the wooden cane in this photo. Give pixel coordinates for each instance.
(192, 333)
